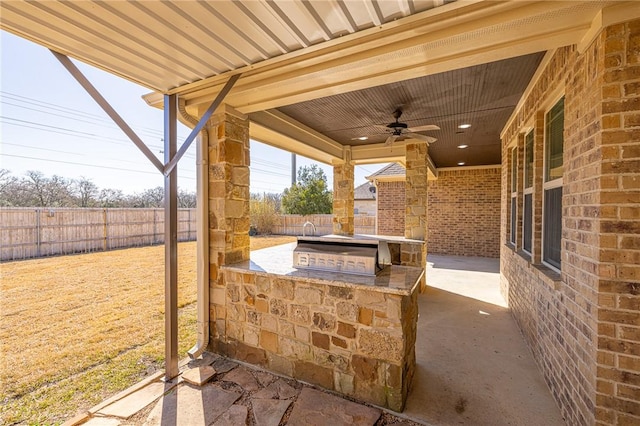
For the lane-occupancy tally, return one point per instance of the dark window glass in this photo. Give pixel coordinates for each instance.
(513, 219)
(528, 160)
(514, 170)
(552, 226)
(526, 230)
(554, 141)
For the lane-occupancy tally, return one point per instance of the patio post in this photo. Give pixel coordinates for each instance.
(415, 223)
(343, 177)
(171, 238)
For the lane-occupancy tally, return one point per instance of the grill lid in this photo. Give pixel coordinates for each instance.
(362, 257)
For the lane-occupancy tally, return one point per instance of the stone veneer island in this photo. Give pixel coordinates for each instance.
(351, 334)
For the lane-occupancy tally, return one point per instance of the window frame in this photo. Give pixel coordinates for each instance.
(513, 219)
(527, 191)
(552, 184)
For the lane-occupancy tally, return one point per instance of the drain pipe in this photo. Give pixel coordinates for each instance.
(202, 232)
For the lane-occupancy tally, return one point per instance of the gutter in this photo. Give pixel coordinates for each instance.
(202, 232)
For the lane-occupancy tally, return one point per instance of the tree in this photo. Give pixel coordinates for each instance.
(85, 192)
(9, 189)
(111, 198)
(309, 195)
(47, 192)
(264, 210)
(187, 199)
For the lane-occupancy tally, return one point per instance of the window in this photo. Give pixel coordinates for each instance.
(527, 222)
(514, 195)
(552, 199)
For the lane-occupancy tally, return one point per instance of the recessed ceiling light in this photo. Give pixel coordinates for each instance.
(463, 146)
(464, 126)
(363, 138)
(461, 163)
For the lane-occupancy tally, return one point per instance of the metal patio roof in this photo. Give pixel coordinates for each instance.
(293, 54)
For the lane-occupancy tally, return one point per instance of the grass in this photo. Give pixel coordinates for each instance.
(75, 330)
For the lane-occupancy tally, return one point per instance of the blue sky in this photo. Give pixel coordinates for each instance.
(49, 123)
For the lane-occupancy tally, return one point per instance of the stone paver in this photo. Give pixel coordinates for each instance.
(319, 408)
(236, 415)
(277, 390)
(207, 358)
(192, 406)
(131, 404)
(268, 412)
(199, 375)
(241, 376)
(264, 378)
(223, 365)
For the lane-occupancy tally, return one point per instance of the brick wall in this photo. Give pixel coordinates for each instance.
(463, 213)
(391, 208)
(583, 324)
(618, 383)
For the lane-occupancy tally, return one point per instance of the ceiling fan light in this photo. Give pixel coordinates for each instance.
(461, 163)
(464, 126)
(463, 146)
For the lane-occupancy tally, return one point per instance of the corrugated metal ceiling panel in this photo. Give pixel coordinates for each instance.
(164, 45)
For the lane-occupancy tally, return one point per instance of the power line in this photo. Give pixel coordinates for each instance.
(85, 155)
(74, 133)
(77, 119)
(63, 108)
(97, 166)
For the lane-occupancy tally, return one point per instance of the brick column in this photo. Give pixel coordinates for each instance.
(415, 222)
(343, 177)
(617, 217)
(228, 133)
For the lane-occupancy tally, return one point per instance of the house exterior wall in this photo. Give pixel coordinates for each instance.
(463, 211)
(583, 322)
(391, 207)
(364, 207)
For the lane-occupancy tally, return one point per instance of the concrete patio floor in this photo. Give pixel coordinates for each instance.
(473, 368)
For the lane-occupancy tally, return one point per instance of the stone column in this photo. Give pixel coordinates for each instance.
(415, 223)
(343, 177)
(228, 138)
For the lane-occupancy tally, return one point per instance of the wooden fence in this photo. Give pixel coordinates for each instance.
(292, 224)
(35, 232)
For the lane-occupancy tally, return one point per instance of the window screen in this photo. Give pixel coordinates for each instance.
(528, 160)
(513, 219)
(552, 226)
(554, 141)
(526, 226)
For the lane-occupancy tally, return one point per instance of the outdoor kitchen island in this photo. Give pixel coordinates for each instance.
(353, 334)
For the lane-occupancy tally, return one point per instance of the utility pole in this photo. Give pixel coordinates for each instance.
(293, 168)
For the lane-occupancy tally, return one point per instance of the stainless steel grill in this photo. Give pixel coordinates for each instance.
(340, 254)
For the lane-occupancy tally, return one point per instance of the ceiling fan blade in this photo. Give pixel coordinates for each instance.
(381, 126)
(391, 139)
(423, 128)
(427, 139)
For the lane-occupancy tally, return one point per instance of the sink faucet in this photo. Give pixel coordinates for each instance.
(305, 226)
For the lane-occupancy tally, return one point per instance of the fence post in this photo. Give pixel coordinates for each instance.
(37, 232)
(104, 229)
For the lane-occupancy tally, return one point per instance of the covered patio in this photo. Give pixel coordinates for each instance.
(473, 367)
(437, 86)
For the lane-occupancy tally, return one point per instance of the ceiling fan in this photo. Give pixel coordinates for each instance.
(398, 129)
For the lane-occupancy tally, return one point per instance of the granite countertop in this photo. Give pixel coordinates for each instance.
(278, 260)
(361, 238)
